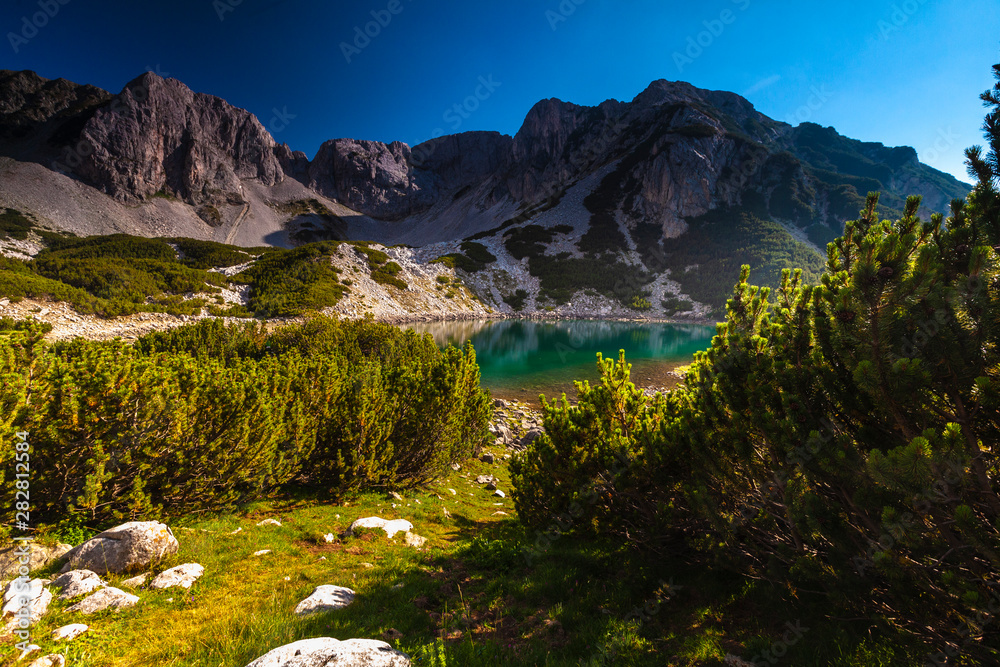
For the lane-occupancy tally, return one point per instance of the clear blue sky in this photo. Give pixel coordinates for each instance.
(896, 71)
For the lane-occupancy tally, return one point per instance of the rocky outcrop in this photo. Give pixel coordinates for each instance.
(130, 546)
(158, 135)
(672, 154)
(371, 177)
(328, 652)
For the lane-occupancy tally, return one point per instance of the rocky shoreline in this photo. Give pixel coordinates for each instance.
(67, 323)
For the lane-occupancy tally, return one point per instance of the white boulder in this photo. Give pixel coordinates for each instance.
(130, 546)
(69, 632)
(77, 582)
(325, 598)
(390, 527)
(106, 598)
(182, 576)
(328, 652)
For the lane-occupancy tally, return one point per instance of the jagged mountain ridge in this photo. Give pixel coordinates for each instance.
(159, 159)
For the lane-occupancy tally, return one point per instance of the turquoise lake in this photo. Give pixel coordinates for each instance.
(521, 359)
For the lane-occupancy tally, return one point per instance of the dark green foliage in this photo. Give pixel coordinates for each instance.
(290, 282)
(478, 253)
(209, 254)
(382, 270)
(124, 271)
(17, 281)
(109, 275)
(386, 275)
(516, 300)
(838, 438)
(210, 416)
(562, 277)
(14, 224)
(720, 241)
(672, 305)
(527, 241)
(475, 259)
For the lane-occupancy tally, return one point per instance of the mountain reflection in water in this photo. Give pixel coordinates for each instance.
(524, 358)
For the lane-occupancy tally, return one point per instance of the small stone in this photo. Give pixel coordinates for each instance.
(77, 583)
(392, 635)
(484, 479)
(390, 527)
(69, 632)
(106, 598)
(325, 598)
(135, 582)
(415, 541)
(262, 552)
(236, 531)
(456, 467)
(453, 492)
(487, 458)
(28, 650)
(367, 565)
(32, 594)
(396, 496)
(492, 486)
(269, 522)
(53, 660)
(182, 576)
(329, 537)
(499, 494)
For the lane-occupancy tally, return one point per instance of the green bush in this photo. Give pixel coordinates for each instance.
(475, 259)
(286, 283)
(839, 438)
(640, 303)
(211, 416)
(14, 224)
(209, 254)
(516, 300)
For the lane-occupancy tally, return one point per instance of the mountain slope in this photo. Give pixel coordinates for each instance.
(670, 192)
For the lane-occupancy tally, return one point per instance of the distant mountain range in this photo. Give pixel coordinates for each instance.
(677, 185)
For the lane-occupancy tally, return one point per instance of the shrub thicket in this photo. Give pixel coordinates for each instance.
(839, 438)
(290, 282)
(209, 416)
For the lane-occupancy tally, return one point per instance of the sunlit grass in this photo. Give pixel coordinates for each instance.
(469, 598)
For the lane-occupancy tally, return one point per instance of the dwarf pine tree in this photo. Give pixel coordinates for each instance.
(841, 437)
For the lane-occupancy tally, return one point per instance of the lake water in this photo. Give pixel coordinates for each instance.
(521, 359)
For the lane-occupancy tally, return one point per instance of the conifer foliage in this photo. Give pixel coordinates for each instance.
(840, 437)
(210, 416)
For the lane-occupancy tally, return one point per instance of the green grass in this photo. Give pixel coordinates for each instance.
(469, 599)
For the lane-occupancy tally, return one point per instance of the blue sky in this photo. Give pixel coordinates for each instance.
(901, 72)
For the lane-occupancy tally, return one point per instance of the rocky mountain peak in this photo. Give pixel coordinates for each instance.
(157, 135)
